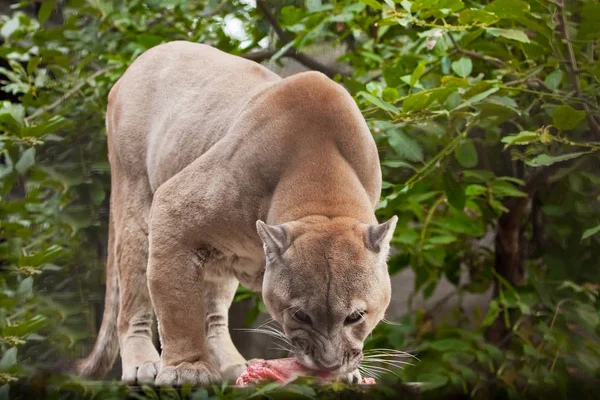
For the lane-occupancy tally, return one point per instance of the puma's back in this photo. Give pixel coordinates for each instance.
(175, 101)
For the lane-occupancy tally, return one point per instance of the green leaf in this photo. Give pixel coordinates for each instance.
(22, 329)
(13, 117)
(26, 287)
(590, 232)
(380, 103)
(463, 67)
(396, 164)
(466, 154)
(493, 351)
(553, 79)
(404, 145)
(479, 175)
(475, 190)
(415, 102)
(432, 381)
(445, 345)
(502, 188)
(9, 359)
(417, 73)
(507, 8)
(10, 27)
(390, 95)
(477, 98)
(269, 387)
(372, 3)
(454, 191)
(282, 51)
(26, 161)
(512, 34)
(32, 65)
(442, 239)
(45, 10)
(291, 15)
(523, 137)
(492, 313)
(590, 21)
(566, 117)
(406, 236)
(545, 159)
(313, 5)
(472, 15)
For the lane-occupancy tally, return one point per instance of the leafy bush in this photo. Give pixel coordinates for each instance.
(487, 120)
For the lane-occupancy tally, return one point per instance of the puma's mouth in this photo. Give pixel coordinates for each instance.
(321, 371)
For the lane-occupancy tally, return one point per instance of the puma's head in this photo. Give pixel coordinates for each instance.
(326, 282)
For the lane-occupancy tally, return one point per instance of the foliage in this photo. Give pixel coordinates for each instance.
(486, 117)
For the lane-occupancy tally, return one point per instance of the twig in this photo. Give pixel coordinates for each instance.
(302, 58)
(572, 66)
(220, 7)
(496, 62)
(259, 56)
(262, 6)
(68, 94)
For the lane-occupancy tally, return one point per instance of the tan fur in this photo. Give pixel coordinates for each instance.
(202, 145)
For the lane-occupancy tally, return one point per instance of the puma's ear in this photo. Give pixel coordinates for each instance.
(378, 237)
(275, 238)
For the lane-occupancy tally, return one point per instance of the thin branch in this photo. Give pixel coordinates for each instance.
(220, 7)
(316, 65)
(262, 6)
(259, 56)
(302, 58)
(572, 66)
(68, 94)
(496, 62)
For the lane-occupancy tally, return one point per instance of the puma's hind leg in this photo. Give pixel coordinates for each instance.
(138, 354)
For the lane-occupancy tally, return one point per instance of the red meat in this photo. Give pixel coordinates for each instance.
(280, 370)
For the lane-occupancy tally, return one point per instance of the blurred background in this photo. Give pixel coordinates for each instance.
(487, 121)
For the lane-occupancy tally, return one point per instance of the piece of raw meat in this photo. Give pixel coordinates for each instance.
(281, 370)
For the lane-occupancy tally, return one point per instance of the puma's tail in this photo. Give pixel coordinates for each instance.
(100, 361)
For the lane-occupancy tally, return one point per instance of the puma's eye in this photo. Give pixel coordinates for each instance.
(301, 316)
(355, 317)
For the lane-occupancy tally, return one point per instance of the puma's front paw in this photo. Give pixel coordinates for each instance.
(145, 373)
(198, 373)
(353, 377)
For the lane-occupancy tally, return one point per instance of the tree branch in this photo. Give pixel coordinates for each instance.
(68, 94)
(496, 62)
(259, 56)
(262, 6)
(220, 7)
(508, 263)
(572, 69)
(302, 58)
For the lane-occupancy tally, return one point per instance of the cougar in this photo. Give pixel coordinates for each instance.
(224, 173)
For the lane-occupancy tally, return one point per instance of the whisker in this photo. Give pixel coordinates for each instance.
(388, 353)
(281, 348)
(274, 334)
(383, 370)
(395, 364)
(386, 361)
(381, 359)
(388, 322)
(365, 371)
